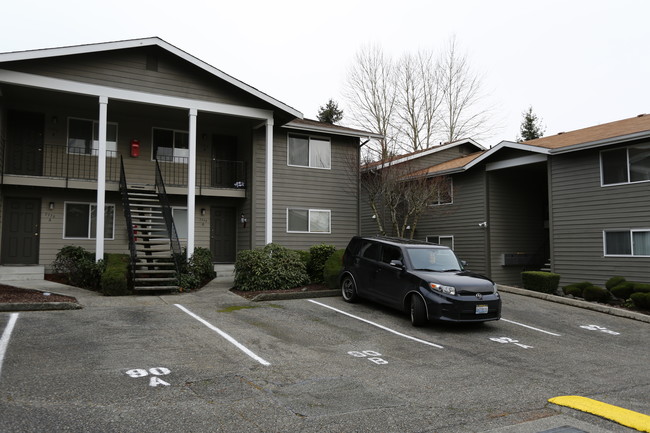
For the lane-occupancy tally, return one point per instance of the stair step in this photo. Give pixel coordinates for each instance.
(154, 280)
(142, 288)
(155, 271)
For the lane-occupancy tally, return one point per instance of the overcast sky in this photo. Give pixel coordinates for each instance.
(577, 63)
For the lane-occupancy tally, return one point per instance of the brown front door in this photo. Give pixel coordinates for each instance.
(223, 226)
(21, 224)
(25, 143)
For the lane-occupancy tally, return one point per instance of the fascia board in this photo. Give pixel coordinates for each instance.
(107, 46)
(436, 149)
(38, 81)
(601, 143)
(332, 131)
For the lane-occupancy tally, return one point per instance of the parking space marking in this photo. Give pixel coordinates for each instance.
(428, 343)
(225, 335)
(530, 327)
(6, 335)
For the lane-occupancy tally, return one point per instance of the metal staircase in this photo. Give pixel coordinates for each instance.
(153, 243)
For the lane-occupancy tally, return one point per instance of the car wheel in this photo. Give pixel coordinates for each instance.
(418, 311)
(348, 289)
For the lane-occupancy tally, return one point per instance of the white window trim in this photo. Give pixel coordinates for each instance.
(92, 235)
(602, 173)
(441, 236)
(111, 146)
(328, 211)
(309, 138)
(631, 232)
(177, 159)
(451, 193)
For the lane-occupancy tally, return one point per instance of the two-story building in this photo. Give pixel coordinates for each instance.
(135, 143)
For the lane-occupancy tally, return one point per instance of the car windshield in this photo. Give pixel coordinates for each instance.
(433, 259)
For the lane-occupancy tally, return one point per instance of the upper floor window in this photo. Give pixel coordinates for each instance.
(80, 221)
(626, 165)
(170, 145)
(311, 152)
(445, 192)
(627, 242)
(83, 137)
(308, 221)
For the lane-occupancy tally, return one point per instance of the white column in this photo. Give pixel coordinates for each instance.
(191, 183)
(269, 182)
(101, 178)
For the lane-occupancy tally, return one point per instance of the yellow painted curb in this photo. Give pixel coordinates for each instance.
(617, 414)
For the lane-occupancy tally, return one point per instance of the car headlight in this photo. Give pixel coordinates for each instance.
(448, 290)
(494, 286)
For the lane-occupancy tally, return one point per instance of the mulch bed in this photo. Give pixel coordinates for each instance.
(10, 294)
(253, 294)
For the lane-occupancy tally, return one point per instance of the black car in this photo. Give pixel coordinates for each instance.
(423, 278)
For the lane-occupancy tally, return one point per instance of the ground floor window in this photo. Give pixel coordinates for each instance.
(80, 221)
(446, 240)
(627, 242)
(308, 220)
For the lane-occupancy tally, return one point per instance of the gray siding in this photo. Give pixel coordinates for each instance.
(582, 209)
(332, 189)
(127, 69)
(460, 220)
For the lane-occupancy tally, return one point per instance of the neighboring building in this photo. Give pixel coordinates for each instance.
(260, 172)
(576, 203)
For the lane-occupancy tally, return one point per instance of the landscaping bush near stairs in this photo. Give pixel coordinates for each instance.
(545, 282)
(114, 280)
(196, 271)
(273, 267)
(79, 267)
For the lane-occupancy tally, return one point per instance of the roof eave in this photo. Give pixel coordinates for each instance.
(601, 143)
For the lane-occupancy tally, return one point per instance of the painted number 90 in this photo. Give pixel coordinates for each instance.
(156, 371)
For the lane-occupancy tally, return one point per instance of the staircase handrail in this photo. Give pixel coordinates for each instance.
(169, 219)
(129, 223)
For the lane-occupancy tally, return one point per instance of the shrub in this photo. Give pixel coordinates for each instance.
(304, 256)
(545, 282)
(333, 267)
(196, 271)
(318, 255)
(641, 288)
(623, 290)
(79, 267)
(641, 300)
(613, 282)
(114, 279)
(595, 294)
(273, 267)
(573, 290)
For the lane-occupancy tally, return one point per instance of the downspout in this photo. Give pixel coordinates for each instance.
(359, 185)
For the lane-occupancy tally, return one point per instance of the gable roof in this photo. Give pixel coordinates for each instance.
(606, 133)
(145, 42)
(309, 125)
(398, 159)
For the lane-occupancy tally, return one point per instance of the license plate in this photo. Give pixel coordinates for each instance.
(481, 309)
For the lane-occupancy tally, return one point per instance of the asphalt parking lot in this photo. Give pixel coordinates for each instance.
(212, 361)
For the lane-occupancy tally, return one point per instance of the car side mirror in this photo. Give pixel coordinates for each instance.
(397, 264)
(464, 263)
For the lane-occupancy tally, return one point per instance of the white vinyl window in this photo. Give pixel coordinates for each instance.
(445, 193)
(447, 241)
(627, 242)
(309, 221)
(625, 165)
(304, 151)
(80, 221)
(170, 145)
(83, 137)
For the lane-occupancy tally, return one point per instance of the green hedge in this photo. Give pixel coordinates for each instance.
(114, 281)
(545, 282)
(333, 267)
(318, 255)
(273, 267)
(641, 300)
(79, 267)
(596, 294)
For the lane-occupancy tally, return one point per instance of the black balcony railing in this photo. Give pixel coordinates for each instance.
(62, 162)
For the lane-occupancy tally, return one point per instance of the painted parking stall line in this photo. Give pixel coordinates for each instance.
(428, 343)
(225, 335)
(531, 327)
(6, 335)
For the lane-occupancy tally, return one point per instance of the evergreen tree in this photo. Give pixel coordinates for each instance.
(531, 127)
(330, 113)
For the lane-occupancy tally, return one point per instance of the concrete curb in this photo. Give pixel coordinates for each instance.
(608, 309)
(39, 306)
(295, 295)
